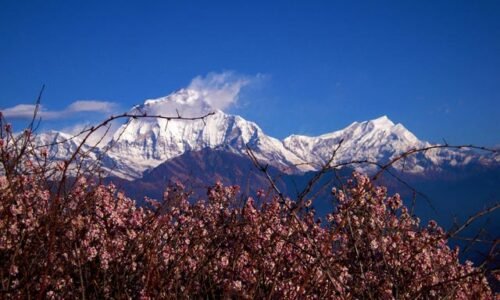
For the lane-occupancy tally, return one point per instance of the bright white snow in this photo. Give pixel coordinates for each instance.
(144, 143)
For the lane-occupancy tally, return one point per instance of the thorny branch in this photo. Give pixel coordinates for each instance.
(386, 168)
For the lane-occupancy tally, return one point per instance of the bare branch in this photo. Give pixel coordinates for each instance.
(417, 150)
(263, 169)
(471, 219)
(327, 166)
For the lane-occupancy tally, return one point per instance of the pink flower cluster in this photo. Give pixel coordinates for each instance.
(91, 241)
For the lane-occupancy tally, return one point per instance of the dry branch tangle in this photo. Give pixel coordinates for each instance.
(95, 243)
(88, 240)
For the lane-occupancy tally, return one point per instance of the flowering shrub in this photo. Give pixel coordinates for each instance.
(91, 241)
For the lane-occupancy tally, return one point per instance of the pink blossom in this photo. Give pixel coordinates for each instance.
(93, 238)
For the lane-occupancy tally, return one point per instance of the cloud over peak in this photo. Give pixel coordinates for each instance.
(219, 90)
(204, 94)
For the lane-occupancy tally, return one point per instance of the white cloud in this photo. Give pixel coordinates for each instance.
(204, 94)
(25, 111)
(219, 90)
(92, 105)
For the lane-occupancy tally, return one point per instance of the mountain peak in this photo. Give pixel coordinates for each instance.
(382, 121)
(186, 102)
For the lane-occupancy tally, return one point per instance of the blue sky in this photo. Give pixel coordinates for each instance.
(312, 66)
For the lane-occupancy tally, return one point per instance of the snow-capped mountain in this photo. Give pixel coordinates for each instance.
(374, 140)
(61, 144)
(147, 142)
(144, 143)
(378, 140)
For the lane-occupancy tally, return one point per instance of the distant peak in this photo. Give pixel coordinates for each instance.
(382, 121)
(181, 96)
(184, 102)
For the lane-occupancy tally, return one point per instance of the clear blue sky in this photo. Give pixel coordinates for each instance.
(432, 65)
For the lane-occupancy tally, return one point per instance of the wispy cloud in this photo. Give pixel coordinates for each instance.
(92, 106)
(219, 90)
(20, 111)
(25, 111)
(214, 91)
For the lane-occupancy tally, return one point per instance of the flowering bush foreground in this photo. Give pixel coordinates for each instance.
(93, 242)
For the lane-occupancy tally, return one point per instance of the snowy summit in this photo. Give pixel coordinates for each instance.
(143, 143)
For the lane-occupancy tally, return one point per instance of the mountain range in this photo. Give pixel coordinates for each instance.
(144, 155)
(141, 144)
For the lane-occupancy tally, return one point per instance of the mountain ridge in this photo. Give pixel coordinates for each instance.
(141, 144)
